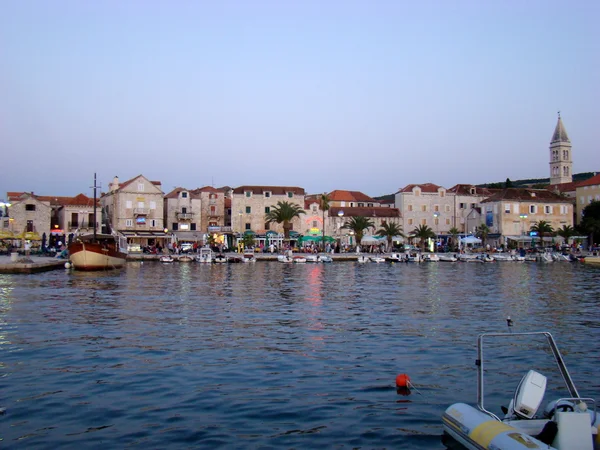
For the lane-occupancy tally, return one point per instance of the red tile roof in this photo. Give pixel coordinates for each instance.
(528, 195)
(350, 196)
(595, 180)
(426, 187)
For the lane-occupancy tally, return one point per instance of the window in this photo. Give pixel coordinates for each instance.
(582, 199)
(423, 221)
(248, 226)
(152, 205)
(473, 205)
(410, 221)
(140, 205)
(532, 209)
(423, 208)
(184, 194)
(447, 221)
(153, 223)
(213, 210)
(267, 209)
(248, 194)
(314, 209)
(212, 196)
(447, 208)
(436, 221)
(91, 220)
(315, 224)
(184, 210)
(192, 227)
(290, 194)
(184, 226)
(472, 191)
(410, 207)
(436, 207)
(462, 206)
(370, 205)
(140, 187)
(507, 208)
(248, 209)
(29, 207)
(442, 193)
(267, 225)
(361, 205)
(548, 209)
(128, 204)
(175, 226)
(267, 194)
(128, 222)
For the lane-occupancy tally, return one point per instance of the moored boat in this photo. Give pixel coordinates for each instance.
(571, 422)
(204, 256)
(185, 257)
(166, 259)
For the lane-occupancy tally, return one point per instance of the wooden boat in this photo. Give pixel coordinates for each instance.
(185, 257)
(571, 422)
(95, 251)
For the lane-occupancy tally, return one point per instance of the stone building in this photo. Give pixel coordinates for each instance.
(586, 192)
(183, 215)
(511, 212)
(465, 208)
(213, 211)
(27, 213)
(425, 204)
(250, 204)
(134, 209)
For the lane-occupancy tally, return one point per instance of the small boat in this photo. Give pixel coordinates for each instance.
(298, 259)
(503, 257)
(431, 257)
(235, 259)
(325, 258)
(377, 259)
(185, 257)
(469, 257)
(312, 258)
(248, 258)
(363, 259)
(570, 422)
(166, 259)
(284, 258)
(205, 256)
(447, 257)
(220, 259)
(485, 258)
(395, 257)
(414, 257)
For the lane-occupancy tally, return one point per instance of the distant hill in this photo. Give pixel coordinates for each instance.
(534, 182)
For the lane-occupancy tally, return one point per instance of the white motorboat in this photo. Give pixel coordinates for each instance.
(220, 259)
(469, 257)
(485, 258)
(570, 422)
(377, 259)
(325, 258)
(447, 257)
(166, 259)
(312, 258)
(431, 257)
(395, 257)
(284, 258)
(298, 259)
(503, 257)
(205, 256)
(249, 257)
(414, 257)
(363, 259)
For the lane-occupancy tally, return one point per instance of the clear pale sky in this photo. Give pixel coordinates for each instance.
(358, 95)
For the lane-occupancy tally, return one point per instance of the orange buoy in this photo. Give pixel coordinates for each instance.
(403, 380)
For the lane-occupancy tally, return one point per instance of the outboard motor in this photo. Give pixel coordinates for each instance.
(528, 396)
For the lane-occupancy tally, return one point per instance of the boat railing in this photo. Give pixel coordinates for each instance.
(555, 352)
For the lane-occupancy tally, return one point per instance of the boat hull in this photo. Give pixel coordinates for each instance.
(91, 256)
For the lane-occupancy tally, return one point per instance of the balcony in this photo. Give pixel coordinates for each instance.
(185, 216)
(140, 211)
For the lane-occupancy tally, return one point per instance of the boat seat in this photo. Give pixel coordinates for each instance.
(574, 431)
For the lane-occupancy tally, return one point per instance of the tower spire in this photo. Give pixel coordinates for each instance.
(560, 133)
(561, 163)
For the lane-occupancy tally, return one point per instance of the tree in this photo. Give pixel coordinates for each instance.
(454, 232)
(591, 220)
(508, 183)
(284, 213)
(422, 232)
(248, 240)
(542, 228)
(358, 224)
(324, 205)
(566, 232)
(389, 230)
(482, 232)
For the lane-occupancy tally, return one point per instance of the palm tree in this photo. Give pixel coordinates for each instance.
(566, 232)
(389, 230)
(542, 228)
(324, 205)
(284, 213)
(482, 232)
(454, 232)
(423, 232)
(358, 224)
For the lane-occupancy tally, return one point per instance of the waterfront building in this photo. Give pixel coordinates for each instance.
(182, 209)
(134, 208)
(511, 212)
(587, 192)
(425, 204)
(213, 217)
(27, 213)
(250, 204)
(465, 207)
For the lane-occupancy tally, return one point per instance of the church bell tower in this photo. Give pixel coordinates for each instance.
(561, 163)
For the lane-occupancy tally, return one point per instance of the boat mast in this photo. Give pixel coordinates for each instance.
(95, 187)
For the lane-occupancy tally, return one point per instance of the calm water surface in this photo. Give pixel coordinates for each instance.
(273, 356)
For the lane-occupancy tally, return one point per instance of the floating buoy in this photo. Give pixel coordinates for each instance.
(403, 381)
(67, 265)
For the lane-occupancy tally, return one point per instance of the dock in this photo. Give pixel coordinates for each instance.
(28, 265)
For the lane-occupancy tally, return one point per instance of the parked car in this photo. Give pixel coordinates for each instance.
(186, 247)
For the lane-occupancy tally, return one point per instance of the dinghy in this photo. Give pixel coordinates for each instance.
(571, 422)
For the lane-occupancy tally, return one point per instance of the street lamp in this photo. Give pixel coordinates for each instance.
(435, 221)
(522, 217)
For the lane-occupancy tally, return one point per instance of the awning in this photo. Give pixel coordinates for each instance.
(315, 239)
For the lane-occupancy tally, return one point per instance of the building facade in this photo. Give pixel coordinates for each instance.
(134, 209)
(183, 215)
(587, 192)
(425, 204)
(27, 214)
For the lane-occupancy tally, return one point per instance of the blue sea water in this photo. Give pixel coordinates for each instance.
(275, 356)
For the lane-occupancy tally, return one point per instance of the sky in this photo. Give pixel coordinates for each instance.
(356, 95)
